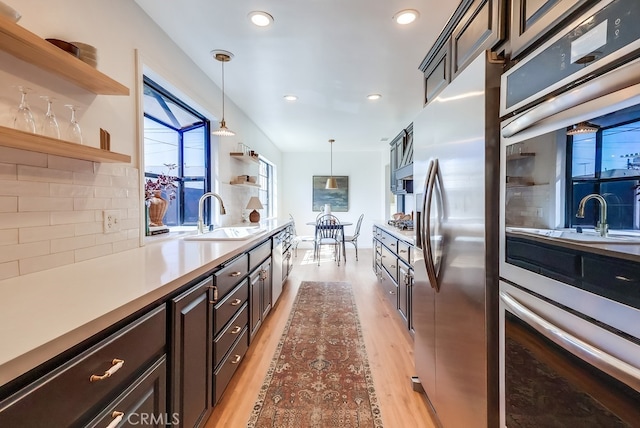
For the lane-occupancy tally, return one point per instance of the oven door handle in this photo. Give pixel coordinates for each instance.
(609, 364)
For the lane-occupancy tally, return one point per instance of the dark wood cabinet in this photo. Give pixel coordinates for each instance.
(73, 392)
(401, 162)
(143, 403)
(191, 354)
(259, 296)
(532, 22)
(438, 74)
(405, 282)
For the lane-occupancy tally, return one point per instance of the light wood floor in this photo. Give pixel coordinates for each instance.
(388, 343)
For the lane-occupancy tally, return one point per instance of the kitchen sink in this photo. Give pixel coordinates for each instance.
(586, 236)
(233, 233)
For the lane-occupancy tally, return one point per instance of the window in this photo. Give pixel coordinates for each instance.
(267, 193)
(177, 135)
(606, 163)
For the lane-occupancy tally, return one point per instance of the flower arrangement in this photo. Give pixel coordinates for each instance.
(163, 183)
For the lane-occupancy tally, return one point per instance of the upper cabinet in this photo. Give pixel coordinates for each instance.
(475, 26)
(401, 162)
(33, 49)
(532, 20)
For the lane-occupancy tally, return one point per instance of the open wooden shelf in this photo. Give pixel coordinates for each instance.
(244, 157)
(245, 184)
(33, 49)
(10, 137)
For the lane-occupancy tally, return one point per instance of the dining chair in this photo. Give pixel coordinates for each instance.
(329, 231)
(297, 239)
(353, 239)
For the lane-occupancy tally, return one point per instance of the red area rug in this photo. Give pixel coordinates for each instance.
(320, 376)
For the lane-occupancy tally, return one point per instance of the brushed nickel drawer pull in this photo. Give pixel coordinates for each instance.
(236, 302)
(392, 293)
(403, 251)
(236, 329)
(235, 274)
(117, 418)
(236, 359)
(116, 364)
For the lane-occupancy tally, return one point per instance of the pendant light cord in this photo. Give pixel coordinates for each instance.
(222, 89)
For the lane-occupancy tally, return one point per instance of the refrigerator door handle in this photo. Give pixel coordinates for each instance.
(427, 249)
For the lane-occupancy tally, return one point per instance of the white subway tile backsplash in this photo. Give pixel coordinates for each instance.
(27, 203)
(29, 219)
(8, 204)
(34, 173)
(22, 157)
(23, 188)
(8, 171)
(9, 270)
(72, 190)
(50, 261)
(93, 252)
(68, 164)
(9, 236)
(51, 210)
(74, 243)
(46, 233)
(22, 251)
(69, 217)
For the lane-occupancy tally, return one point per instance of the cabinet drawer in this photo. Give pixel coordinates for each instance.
(226, 308)
(389, 288)
(228, 336)
(230, 275)
(65, 395)
(229, 366)
(390, 263)
(405, 252)
(258, 254)
(145, 397)
(389, 241)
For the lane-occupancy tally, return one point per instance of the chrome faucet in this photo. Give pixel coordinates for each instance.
(201, 209)
(602, 226)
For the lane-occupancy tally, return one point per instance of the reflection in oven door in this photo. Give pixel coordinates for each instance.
(558, 369)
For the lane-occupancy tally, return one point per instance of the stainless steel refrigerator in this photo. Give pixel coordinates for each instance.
(456, 161)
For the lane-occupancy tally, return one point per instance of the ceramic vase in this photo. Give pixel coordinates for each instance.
(157, 208)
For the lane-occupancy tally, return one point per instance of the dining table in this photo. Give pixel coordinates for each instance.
(340, 226)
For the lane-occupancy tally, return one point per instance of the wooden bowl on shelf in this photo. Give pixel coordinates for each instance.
(65, 46)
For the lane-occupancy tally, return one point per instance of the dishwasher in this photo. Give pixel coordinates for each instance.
(276, 266)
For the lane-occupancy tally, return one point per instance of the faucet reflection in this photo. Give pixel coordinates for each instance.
(602, 226)
(201, 209)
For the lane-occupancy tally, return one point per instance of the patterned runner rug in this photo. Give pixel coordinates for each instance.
(320, 376)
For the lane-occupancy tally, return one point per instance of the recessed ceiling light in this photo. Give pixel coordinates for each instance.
(261, 19)
(374, 96)
(290, 97)
(406, 16)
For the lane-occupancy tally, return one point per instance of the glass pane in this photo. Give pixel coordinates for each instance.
(172, 217)
(621, 151)
(192, 192)
(622, 203)
(160, 147)
(580, 190)
(166, 110)
(584, 156)
(194, 156)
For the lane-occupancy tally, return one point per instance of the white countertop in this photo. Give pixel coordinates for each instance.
(45, 313)
(406, 235)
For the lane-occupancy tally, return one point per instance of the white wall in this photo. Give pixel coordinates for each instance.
(366, 181)
(127, 40)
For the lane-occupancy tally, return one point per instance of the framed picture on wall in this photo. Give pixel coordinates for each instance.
(337, 198)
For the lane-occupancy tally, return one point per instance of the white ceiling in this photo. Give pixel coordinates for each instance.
(330, 53)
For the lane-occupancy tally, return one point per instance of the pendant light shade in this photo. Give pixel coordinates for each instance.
(223, 56)
(583, 128)
(331, 181)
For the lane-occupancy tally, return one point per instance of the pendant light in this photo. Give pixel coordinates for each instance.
(223, 56)
(331, 181)
(583, 128)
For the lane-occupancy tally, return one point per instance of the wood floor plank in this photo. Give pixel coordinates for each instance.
(389, 346)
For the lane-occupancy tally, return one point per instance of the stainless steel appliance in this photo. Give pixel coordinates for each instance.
(277, 267)
(561, 369)
(569, 306)
(456, 265)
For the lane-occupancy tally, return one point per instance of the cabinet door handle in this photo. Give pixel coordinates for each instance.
(117, 418)
(235, 274)
(236, 329)
(403, 251)
(393, 266)
(236, 359)
(116, 364)
(236, 302)
(392, 293)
